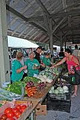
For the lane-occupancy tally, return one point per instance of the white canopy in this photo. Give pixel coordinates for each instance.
(15, 42)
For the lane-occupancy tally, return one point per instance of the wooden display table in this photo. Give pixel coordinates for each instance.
(29, 111)
(37, 99)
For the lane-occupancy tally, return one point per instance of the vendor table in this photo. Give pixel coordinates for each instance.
(36, 99)
(30, 111)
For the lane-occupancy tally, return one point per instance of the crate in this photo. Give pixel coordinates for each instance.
(41, 110)
(12, 104)
(58, 105)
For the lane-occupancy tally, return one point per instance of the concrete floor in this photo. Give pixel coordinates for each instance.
(59, 115)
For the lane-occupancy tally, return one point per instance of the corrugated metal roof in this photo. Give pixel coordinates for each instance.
(28, 19)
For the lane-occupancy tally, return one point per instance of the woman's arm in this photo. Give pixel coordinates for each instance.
(59, 63)
(76, 60)
(22, 68)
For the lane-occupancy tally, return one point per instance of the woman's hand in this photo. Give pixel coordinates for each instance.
(35, 67)
(24, 67)
(21, 69)
(42, 64)
(53, 66)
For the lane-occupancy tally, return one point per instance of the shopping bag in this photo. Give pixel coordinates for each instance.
(74, 79)
(77, 70)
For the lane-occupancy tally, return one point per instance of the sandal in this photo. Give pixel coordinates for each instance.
(74, 95)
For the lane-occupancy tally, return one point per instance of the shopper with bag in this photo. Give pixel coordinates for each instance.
(72, 62)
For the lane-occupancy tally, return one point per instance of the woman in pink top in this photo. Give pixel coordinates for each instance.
(72, 61)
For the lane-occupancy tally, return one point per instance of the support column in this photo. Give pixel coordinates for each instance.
(65, 42)
(61, 41)
(51, 36)
(4, 57)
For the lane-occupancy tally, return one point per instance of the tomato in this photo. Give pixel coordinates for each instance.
(17, 114)
(10, 114)
(18, 107)
(1, 119)
(11, 118)
(7, 110)
(23, 107)
(14, 110)
(4, 117)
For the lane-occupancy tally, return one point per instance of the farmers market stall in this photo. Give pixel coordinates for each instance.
(34, 90)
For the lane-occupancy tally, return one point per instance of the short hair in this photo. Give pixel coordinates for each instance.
(19, 55)
(40, 47)
(31, 52)
(47, 53)
(68, 51)
(76, 47)
(61, 49)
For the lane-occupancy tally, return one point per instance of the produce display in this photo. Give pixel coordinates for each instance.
(6, 95)
(59, 93)
(41, 85)
(16, 87)
(29, 84)
(2, 103)
(48, 74)
(34, 79)
(31, 89)
(32, 86)
(13, 111)
(59, 90)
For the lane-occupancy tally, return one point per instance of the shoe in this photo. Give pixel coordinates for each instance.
(74, 95)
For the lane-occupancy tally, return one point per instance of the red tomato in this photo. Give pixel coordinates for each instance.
(15, 110)
(4, 117)
(18, 107)
(7, 110)
(11, 118)
(1, 119)
(17, 114)
(10, 114)
(23, 107)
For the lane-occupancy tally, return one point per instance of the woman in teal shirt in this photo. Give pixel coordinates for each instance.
(46, 61)
(17, 68)
(32, 65)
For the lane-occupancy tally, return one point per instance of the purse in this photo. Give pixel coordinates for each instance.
(77, 70)
(74, 79)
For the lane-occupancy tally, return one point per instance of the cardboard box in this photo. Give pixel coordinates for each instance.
(41, 110)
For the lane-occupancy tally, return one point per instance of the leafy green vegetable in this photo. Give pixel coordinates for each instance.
(34, 79)
(16, 87)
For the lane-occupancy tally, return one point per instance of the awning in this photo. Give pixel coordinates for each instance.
(20, 43)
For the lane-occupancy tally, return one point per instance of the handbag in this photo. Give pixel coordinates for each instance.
(77, 70)
(74, 79)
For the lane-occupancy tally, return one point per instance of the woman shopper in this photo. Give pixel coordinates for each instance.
(17, 68)
(72, 61)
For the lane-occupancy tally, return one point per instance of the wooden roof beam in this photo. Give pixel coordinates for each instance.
(24, 18)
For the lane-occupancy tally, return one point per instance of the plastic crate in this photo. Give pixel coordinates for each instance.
(59, 102)
(58, 105)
